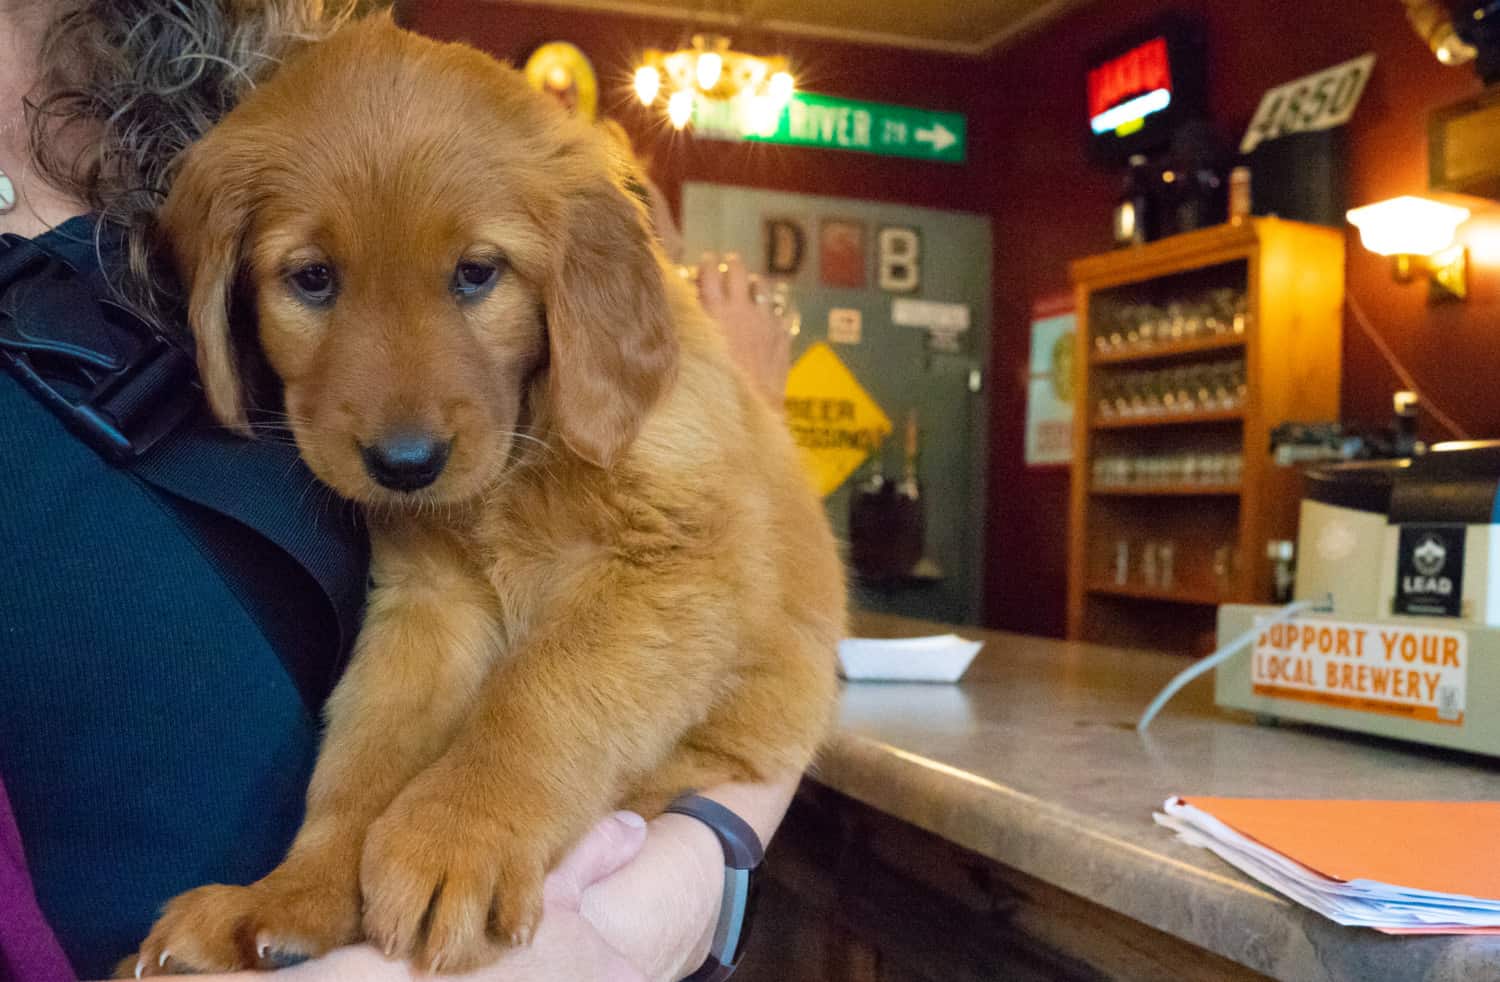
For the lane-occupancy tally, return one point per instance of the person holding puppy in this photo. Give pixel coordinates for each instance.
(166, 652)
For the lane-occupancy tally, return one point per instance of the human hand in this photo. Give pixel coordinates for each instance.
(566, 945)
(760, 342)
(660, 910)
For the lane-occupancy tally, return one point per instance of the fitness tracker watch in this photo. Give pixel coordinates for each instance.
(742, 854)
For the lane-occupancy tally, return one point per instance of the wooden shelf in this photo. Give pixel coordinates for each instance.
(1167, 491)
(1193, 598)
(1291, 276)
(1190, 250)
(1169, 419)
(1174, 349)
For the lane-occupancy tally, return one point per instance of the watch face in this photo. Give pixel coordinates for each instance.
(752, 900)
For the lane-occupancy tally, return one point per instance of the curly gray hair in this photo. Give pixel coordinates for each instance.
(127, 85)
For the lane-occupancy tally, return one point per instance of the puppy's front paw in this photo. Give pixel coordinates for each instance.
(279, 921)
(198, 931)
(445, 886)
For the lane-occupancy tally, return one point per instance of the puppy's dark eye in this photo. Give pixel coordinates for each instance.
(314, 283)
(474, 277)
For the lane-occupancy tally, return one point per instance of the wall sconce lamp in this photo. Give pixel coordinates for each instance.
(1418, 234)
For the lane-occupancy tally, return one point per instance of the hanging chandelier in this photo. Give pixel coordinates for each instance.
(754, 88)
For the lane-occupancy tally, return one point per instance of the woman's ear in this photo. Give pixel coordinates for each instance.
(205, 221)
(613, 344)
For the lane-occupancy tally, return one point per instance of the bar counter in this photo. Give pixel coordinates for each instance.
(1033, 763)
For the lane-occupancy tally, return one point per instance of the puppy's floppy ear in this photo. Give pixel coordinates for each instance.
(613, 346)
(205, 221)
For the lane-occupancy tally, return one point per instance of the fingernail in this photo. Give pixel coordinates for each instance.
(630, 819)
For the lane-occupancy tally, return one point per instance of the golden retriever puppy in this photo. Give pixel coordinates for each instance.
(599, 577)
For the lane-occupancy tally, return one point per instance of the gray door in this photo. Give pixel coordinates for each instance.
(935, 373)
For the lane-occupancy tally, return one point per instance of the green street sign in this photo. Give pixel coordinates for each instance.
(811, 120)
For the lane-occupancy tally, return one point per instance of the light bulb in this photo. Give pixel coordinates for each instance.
(710, 67)
(761, 116)
(647, 84)
(680, 109)
(782, 87)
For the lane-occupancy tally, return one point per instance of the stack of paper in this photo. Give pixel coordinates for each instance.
(940, 658)
(1402, 867)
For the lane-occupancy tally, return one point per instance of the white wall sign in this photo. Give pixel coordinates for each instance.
(932, 314)
(1319, 101)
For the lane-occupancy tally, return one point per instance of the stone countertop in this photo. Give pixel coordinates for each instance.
(1033, 761)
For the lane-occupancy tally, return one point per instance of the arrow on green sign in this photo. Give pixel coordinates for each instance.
(810, 120)
(938, 136)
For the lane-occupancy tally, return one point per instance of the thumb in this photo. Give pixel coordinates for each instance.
(607, 847)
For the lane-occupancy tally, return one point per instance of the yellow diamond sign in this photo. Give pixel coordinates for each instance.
(833, 419)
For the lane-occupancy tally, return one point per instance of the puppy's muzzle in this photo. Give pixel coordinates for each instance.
(406, 460)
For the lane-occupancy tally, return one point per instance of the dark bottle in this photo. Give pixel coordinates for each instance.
(1193, 184)
(1133, 212)
(887, 529)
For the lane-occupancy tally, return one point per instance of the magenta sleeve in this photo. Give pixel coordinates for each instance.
(28, 950)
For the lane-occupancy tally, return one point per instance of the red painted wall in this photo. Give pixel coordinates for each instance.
(1026, 169)
(1049, 206)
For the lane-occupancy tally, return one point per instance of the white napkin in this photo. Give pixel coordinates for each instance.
(940, 658)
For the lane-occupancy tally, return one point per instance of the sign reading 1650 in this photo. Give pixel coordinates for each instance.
(1319, 101)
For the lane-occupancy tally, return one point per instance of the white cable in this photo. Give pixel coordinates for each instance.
(1223, 654)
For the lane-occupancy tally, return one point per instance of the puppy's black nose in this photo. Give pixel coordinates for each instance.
(406, 461)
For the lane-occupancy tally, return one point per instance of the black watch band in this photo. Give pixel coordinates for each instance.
(742, 854)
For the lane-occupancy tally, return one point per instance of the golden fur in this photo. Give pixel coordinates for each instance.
(620, 588)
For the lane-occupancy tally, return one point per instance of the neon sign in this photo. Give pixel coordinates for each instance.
(1126, 89)
(1143, 85)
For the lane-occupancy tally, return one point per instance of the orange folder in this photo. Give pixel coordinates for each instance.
(1446, 847)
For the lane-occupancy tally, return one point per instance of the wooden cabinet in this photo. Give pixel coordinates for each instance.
(854, 895)
(1190, 351)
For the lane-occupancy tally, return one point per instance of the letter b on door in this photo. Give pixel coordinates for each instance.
(899, 259)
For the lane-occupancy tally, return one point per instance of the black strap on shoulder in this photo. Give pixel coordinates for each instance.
(117, 383)
(132, 395)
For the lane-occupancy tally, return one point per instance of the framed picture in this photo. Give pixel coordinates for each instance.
(1049, 390)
